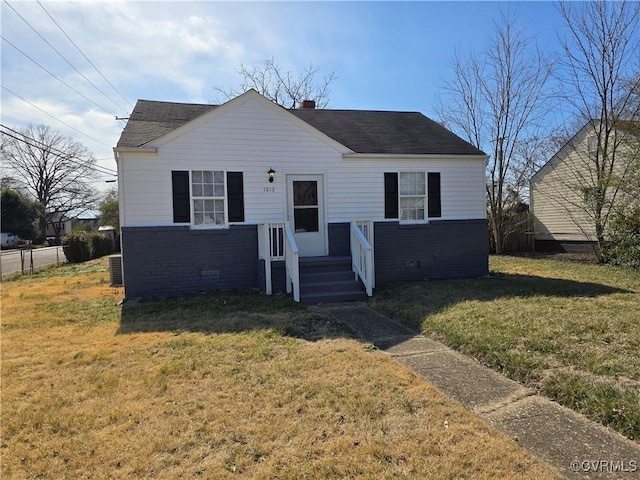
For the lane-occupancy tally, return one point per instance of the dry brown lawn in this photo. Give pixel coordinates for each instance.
(215, 386)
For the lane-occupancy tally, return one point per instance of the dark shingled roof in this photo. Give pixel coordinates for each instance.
(362, 131)
(151, 119)
(365, 131)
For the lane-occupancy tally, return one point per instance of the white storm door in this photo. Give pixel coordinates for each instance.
(305, 210)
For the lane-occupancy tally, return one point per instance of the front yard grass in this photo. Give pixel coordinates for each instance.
(217, 386)
(570, 330)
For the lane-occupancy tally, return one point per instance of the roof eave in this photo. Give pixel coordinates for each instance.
(147, 150)
(414, 156)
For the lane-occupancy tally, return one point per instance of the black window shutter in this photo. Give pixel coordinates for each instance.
(235, 196)
(435, 204)
(181, 200)
(390, 195)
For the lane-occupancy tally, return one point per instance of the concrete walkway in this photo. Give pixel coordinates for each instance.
(573, 444)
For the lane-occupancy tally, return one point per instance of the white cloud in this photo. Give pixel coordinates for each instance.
(155, 50)
(100, 130)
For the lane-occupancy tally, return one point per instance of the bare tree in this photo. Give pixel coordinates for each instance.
(285, 88)
(52, 168)
(600, 75)
(496, 100)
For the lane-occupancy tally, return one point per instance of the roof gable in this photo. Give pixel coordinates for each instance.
(628, 127)
(361, 131)
(561, 153)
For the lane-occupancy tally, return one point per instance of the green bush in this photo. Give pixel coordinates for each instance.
(76, 247)
(623, 248)
(100, 244)
(80, 246)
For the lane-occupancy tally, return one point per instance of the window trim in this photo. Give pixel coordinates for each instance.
(392, 196)
(192, 198)
(423, 196)
(183, 198)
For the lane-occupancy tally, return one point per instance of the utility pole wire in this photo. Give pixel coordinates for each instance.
(55, 118)
(82, 53)
(57, 78)
(63, 57)
(72, 158)
(53, 149)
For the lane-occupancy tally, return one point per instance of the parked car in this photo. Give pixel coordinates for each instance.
(9, 240)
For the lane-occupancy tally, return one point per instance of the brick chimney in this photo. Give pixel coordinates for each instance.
(308, 104)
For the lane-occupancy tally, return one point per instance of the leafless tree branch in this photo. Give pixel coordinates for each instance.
(282, 87)
(601, 78)
(497, 101)
(52, 168)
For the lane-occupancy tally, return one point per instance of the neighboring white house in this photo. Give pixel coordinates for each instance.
(212, 197)
(61, 224)
(561, 190)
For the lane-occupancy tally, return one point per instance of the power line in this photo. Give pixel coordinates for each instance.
(62, 56)
(55, 118)
(49, 147)
(96, 168)
(57, 78)
(78, 160)
(82, 53)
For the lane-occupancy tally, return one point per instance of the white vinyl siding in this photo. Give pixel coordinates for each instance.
(562, 189)
(254, 137)
(557, 195)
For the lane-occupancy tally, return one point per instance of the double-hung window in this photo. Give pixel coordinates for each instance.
(412, 196)
(208, 197)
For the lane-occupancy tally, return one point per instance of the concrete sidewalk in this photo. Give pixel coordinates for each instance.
(573, 444)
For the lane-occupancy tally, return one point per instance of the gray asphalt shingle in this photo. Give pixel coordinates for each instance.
(363, 131)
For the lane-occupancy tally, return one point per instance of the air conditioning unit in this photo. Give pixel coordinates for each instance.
(115, 270)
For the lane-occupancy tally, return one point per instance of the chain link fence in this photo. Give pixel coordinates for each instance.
(28, 260)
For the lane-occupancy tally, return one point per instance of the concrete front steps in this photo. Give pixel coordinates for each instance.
(329, 280)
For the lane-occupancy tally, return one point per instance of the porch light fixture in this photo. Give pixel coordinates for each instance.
(271, 173)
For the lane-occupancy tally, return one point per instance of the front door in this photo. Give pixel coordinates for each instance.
(305, 195)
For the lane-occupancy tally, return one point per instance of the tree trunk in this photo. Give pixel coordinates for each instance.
(496, 236)
(601, 240)
(42, 227)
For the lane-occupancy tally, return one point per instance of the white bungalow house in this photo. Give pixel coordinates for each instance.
(322, 203)
(562, 188)
(63, 223)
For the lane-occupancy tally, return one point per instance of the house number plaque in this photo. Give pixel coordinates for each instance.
(269, 189)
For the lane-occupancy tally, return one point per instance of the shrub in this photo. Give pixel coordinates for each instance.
(76, 247)
(623, 248)
(100, 244)
(80, 246)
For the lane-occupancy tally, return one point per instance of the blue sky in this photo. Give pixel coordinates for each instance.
(386, 55)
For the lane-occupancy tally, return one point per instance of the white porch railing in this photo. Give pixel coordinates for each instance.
(362, 253)
(292, 269)
(276, 242)
(270, 248)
